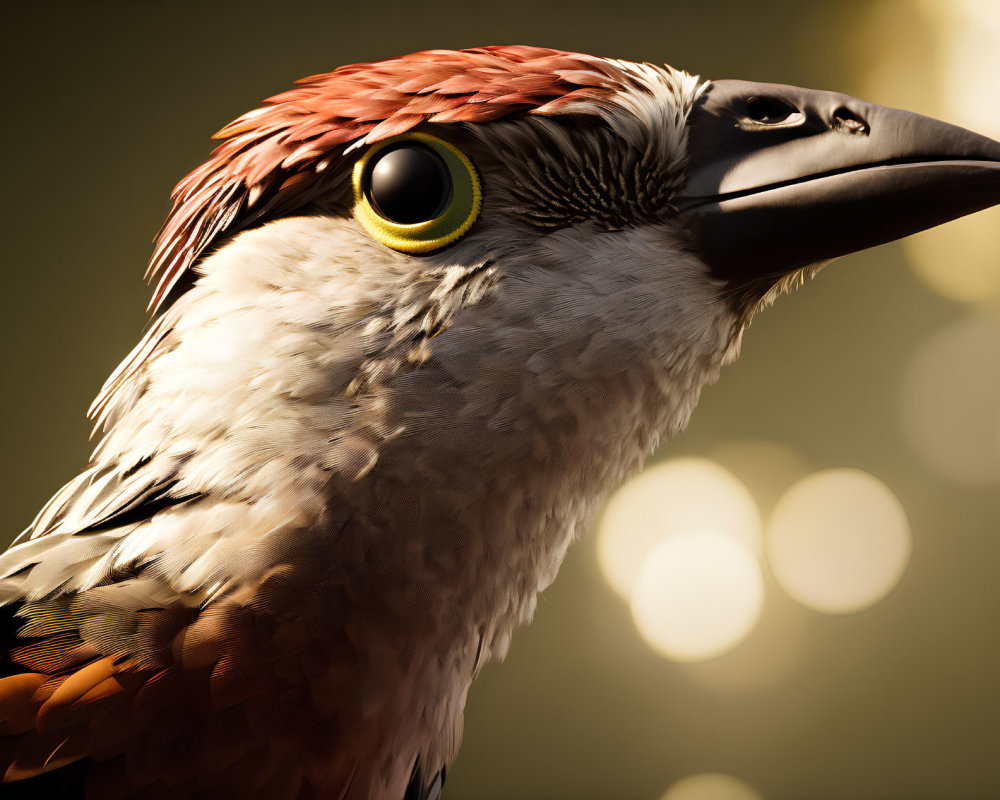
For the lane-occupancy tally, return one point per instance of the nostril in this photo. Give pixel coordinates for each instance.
(770, 110)
(846, 121)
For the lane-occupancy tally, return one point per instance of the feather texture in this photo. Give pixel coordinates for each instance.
(357, 105)
(276, 159)
(333, 477)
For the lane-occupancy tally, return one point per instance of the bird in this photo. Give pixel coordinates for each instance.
(412, 321)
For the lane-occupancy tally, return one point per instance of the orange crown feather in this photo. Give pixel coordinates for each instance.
(268, 162)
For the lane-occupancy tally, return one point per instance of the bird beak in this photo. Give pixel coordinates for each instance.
(781, 178)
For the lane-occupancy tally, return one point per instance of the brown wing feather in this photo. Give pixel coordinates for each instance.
(147, 721)
(109, 695)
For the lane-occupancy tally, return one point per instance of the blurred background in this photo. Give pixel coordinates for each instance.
(799, 598)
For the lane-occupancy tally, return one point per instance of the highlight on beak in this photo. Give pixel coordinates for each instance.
(781, 178)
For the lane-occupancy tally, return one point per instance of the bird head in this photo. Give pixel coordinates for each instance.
(504, 267)
(501, 154)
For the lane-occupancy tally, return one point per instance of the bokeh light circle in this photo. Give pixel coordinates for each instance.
(968, 32)
(950, 398)
(697, 595)
(680, 495)
(710, 786)
(838, 541)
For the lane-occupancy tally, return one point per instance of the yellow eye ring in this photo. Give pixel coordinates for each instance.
(461, 205)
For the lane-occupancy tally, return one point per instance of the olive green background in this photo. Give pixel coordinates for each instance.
(105, 106)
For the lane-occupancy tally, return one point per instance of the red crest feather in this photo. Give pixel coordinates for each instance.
(261, 168)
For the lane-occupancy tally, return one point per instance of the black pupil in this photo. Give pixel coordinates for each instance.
(769, 109)
(409, 184)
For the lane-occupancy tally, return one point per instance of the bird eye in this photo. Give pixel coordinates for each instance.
(416, 193)
(770, 110)
(408, 183)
